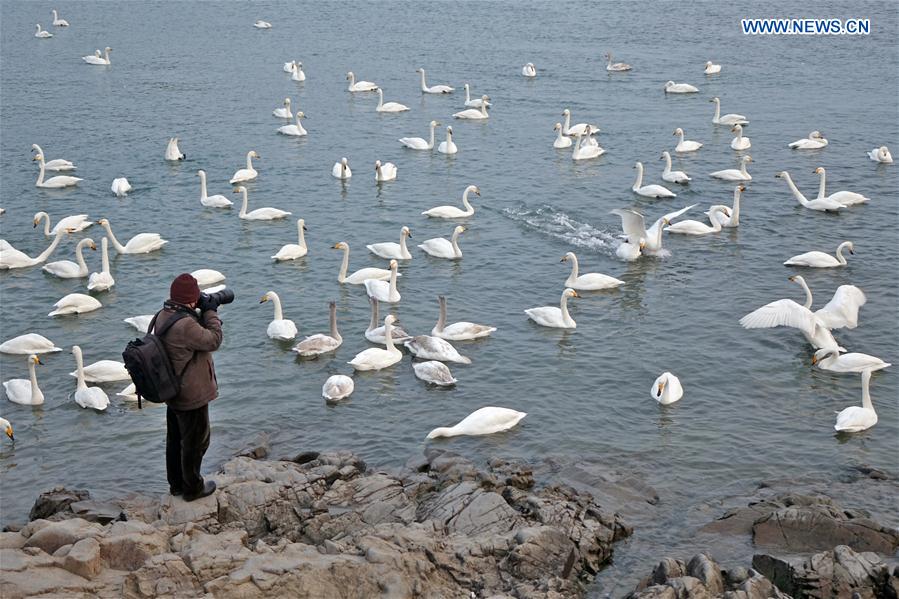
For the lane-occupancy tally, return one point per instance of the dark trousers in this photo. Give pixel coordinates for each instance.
(186, 442)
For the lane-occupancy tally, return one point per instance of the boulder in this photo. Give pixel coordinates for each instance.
(66, 532)
(56, 500)
(83, 558)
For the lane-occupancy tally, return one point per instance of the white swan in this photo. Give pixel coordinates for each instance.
(58, 164)
(56, 182)
(592, 281)
(25, 391)
(341, 170)
(385, 171)
(452, 211)
(667, 389)
(649, 191)
(102, 281)
(103, 371)
(820, 204)
(384, 291)
(846, 198)
(417, 143)
(586, 150)
(338, 386)
(638, 236)
(262, 25)
(87, 397)
(296, 72)
(41, 33)
(66, 269)
(375, 333)
(285, 112)
(359, 86)
(831, 359)
(855, 419)
(74, 223)
(484, 421)
(292, 251)
(550, 316)
(130, 393)
(280, 328)
(711, 68)
(141, 322)
(739, 142)
(207, 277)
(434, 89)
(388, 106)
(529, 70)
(215, 201)
(561, 141)
(734, 219)
(425, 347)
(121, 187)
(814, 141)
(29, 343)
(685, 145)
(96, 59)
(734, 174)
(477, 102)
(10, 257)
(57, 22)
(266, 213)
(679, 88)
(294, 129)
(142, 243)
(458, 331)
(392, 250)
(360, 276)
(7, 428)
(694, 227)
(375, 358)
(670, 175)
(448, 146)
(246, 174)
(572, 131)
(434, 372)
(440, 247)
(288, 66)
(75, 303)
(320, 343)
(173, 152)
(881, 154)
(840, 312)
(474, 114)
(817, 259)
(616, 67)
(727, 119)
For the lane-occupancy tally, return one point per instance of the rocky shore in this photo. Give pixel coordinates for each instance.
(324, 525)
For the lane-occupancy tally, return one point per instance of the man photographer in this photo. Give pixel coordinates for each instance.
(189, 344)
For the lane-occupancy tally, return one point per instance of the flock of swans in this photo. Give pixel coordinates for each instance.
(433, 352)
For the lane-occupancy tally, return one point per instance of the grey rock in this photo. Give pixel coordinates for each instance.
(56, 500)
(95, 511)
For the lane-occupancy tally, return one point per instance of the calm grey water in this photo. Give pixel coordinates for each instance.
(753, 407)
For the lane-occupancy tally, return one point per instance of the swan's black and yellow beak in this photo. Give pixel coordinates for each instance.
(37, 360)
(9, 433)
(814, 360)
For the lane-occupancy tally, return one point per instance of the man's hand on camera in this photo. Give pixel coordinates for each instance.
(206, 303)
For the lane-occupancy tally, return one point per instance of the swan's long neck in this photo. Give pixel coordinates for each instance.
(717, 110)
(681, 137)
(442, 431)
(739, 132)
(667, 158)
(467, 94)
(559, 135)
(840, 258)
(46, 253)
(32, 374)
(341, 276)
(79, 255)
(352, 80)
(388, 336)
(333, 318)
(716, 223)
(609, 55)
(484, 108)
(40, 177)
(567, 124)
(299, 124)
(115, 242)
(79, 367)
(563, 305)
(245, 201)
(301, 235)
(455, 241)
(203, 195)
(735, 211)
(441, 318)
(577, 146)
(46, 218)
(468, 207)
(743, 171)
(449, 137)
(796, 193)
(639, 182)
(431, 144)
(808, 293)
(822, 183)
(106, 55)
(866, 391)
(392, 280)
(279, 315)
(575, 269)
(104, 244)
(249, 161)
(380, 98)
(373, 323)
(403, 249)
(424, 86)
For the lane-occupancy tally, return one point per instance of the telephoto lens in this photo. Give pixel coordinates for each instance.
(211, 301)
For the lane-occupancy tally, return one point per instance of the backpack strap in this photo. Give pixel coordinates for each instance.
(168, 323)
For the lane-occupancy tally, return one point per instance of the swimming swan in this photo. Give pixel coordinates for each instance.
(685, 145)
(385, 171)
(121, 187)
(392, 250)
(58, 164)
(733, 174)
(360, 276)
(66, 269)
(375, 333)
(616, 67)
(817, 259)
(667, 389)
(434, 89)
(728, 119)
(375, 358)
(216, 201)
(585, 150)
(102, 281)
(440, 247)
(529, 70)
(711, 68)
(359, 86)
(814, 141)
(318, 344)
(417, 143)
(819, 204)
(592, 281)
(10, 257)
(29, 343)
(474, 114)
(452, 211)
(484, 421)
(389, 106)
(855, 419)
(434, 372)
(87, 397)
(831, 359)
(75, 303)
(294, 129)
(739, 142)
(846, 198)
(670, 175)
(881, 154)
(734, 219)
(649, 191)
(41, 33)
(426, 347)
(104, 371)
(97, 60)
(384, 291)
(266, 213)
(246, 174)
(338, 386)
(262, 25)
(638, 236)
(283, 113)
(572, 131)
(296, 72)
(142, 243)
(173, 152)
(56, 182)
(341, 170)
(448, 146)
(694, 227)
(74, 223)
(57, 22)
(458, 331)
(25, 392)
(550, 316)
(561, 141)
(292, 251)
(280, 329)
(679, 88)
(477, 102)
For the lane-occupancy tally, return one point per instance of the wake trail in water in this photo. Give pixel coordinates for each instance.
(554, 223)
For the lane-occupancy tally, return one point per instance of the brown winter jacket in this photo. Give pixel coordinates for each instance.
(189, 344)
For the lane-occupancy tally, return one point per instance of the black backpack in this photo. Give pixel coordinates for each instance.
(149, 366)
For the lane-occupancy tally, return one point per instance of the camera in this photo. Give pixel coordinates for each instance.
(212, 301)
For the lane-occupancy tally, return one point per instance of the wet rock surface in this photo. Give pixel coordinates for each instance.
(321, 525)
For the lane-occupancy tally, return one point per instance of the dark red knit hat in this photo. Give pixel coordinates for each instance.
(185, 289)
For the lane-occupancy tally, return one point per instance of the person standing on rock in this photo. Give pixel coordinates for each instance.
(189, 344)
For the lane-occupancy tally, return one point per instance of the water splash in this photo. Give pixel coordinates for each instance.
(552, 222)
